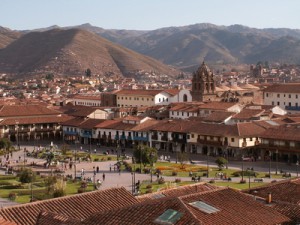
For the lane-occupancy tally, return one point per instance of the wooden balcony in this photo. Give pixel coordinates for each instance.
(209, 142)
(164, 138)
(154, 137)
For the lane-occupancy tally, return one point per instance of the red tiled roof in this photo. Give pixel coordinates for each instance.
(138, 92)
(178, 191)
(143, 213)
(285, 191)
(218, 116)
(217, 105)
(36, 120)
(284, 132)
(88, 96)
(6, 222)
(78, 206)
(25, 110)
(284, 88)
(234, 208)
(145, 126)
(247, 114)
(50, 218)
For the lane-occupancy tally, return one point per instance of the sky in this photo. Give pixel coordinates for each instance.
(148, 14)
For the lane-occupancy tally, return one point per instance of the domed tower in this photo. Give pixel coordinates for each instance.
(203, 84)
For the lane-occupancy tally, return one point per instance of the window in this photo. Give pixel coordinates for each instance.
(251, 139)
(290, 104)
(296, 104)
(204, 207)
(159, 99)
(147, 99)
(121, 97)
(170, 216)
(173, 113)
(278, 95)
(296, 96)
(272, 103)
(267, 94)
(289, 96)
(192, 135)
(232, 139)
(278, 103)
(126, 98)
(182, 113)
(177, 113)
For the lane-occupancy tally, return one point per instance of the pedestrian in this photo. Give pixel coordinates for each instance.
(97, 168)
(119, 171)
(103, 176)
(110, 168)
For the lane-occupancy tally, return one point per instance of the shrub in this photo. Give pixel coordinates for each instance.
(138, 170)
(129, 168)
(161, 180)
(148, 191)
(80, 190)
(212, 181)
(245, 173)
(174, 173)
(12, 196)
(149, 186)
(177, 180)
(96, 159)
(267, 175)
(242, 181)
(146, 170)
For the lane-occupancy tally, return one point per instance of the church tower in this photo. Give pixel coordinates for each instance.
(203, 84)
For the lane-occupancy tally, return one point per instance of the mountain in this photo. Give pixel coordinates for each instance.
(7, 36)
(72, 51)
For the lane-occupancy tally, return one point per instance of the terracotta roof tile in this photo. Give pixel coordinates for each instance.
(234, 208)
(285, 191)
(50, 218)
(70, 206)
(36, 120)
(218, 116)
(247, 114)
(284, 132)
(6, 222)
(25, 110)
(178, 191)
(138, 92)
(284, 88)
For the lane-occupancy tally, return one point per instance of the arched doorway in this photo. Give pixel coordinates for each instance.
(185, 98)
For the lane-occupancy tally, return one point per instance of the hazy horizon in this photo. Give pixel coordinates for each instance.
(148, 15)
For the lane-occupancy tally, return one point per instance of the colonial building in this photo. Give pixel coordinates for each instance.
(87, 99)
(287, 96)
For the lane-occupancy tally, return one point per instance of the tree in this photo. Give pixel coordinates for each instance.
(221, 162)
(64, 149)
(5, 144)
(59, 188)
(145, 154)
(182, 158)
(27, 175)
(88, 72)
(50, 181)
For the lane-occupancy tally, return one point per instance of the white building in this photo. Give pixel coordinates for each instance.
(287, 96)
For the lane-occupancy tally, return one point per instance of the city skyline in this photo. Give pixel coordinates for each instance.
(134, 15)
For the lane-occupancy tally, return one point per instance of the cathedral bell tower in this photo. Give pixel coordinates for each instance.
(203, 84)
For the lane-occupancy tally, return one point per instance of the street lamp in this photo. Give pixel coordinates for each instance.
(207, 174)
(76, 142)
(276, 161)
(176, 152)
(24, 156)
(140, 148)
(133, 176)
(151, 162)
(270, 157)
(249, 170)
(242, 167)
(94, 177)
(17, 126)
(297, 165)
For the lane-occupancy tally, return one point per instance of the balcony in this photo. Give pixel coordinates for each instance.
(154, 137)
(209, 142)
(24, 130)
(44, 129)
(164, 138)
(179, 140)
(137, 138)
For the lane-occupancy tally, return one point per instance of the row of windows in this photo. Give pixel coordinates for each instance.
(289, 104)
(284, 95)
(182, 113)
(134, 98)
(87, 103)
(164, 99)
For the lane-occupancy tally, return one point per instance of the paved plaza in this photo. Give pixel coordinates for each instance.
(115, 179)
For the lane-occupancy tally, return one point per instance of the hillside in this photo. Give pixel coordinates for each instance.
(72, 51)
(7, 36)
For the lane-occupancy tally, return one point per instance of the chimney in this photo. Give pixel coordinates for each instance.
(269, 198)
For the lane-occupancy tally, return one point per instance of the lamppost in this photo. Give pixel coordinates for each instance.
(140, 148)
(76, 142)
(270, 157)
(133, 176)
(249, 171)
(31, 186)
(24, 156)
(151, 163)
(276, 161)
(17, 126)
(297, 165)
(242, 167)
(176, 152)
(94, 176)
(207, 154)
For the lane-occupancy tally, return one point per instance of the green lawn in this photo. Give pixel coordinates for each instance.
(238, 185)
